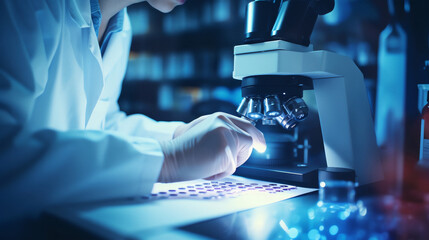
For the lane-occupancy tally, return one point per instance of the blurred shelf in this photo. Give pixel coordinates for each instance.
(191, 82)
(220, 35)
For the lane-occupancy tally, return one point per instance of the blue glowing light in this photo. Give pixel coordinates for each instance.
(313, 234)
(341, 237)
(293, 233)
(363, 211)
(255, 115)
(273, 114)
(333, 230)
(311, 214)
(343, 215)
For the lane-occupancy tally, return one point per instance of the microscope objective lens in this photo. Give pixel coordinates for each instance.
(297, 108)
(254, 109)
(272, 107)
(286, 121)
(242, 108)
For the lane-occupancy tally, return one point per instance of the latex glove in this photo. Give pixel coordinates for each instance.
(210, 147)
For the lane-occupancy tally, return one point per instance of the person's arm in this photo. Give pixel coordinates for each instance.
(115, 61)
(38, 169)
(140, 125)
(211, 146)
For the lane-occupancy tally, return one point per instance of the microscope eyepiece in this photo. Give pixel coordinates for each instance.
(289, 20)
(260, 18)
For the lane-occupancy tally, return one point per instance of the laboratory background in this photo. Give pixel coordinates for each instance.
(181, 63)
(181, 67)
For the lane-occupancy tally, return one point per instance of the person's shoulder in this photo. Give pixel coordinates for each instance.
(58, 8)
(54, 6)
(30, 9)
(32, 14)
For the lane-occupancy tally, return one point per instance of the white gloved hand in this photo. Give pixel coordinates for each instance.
(210, 147)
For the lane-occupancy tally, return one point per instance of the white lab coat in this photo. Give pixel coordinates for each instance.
(63, 137)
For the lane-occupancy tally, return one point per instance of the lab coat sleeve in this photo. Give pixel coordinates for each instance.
(46, 167)
(114, 62)
(140, 125)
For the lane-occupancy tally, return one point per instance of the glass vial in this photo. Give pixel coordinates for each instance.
(336, 188)
(424, 136)
(391, 96)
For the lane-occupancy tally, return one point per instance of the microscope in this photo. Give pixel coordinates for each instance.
(277, 63)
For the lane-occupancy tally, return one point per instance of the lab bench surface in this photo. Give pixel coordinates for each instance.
(294, 218)
(63, 224)
(375, 216)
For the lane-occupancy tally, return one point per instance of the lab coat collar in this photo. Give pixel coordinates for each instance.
(110, 57)
(80, 11)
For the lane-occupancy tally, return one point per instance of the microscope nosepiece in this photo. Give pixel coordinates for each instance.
(272, 107)
(270, 110)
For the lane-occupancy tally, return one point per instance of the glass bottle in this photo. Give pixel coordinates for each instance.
(336, 188)
(391, 96)
(424, 137)
(424, 130)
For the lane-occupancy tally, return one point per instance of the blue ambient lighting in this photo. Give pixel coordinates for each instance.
(333, 230)
(313, 234)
